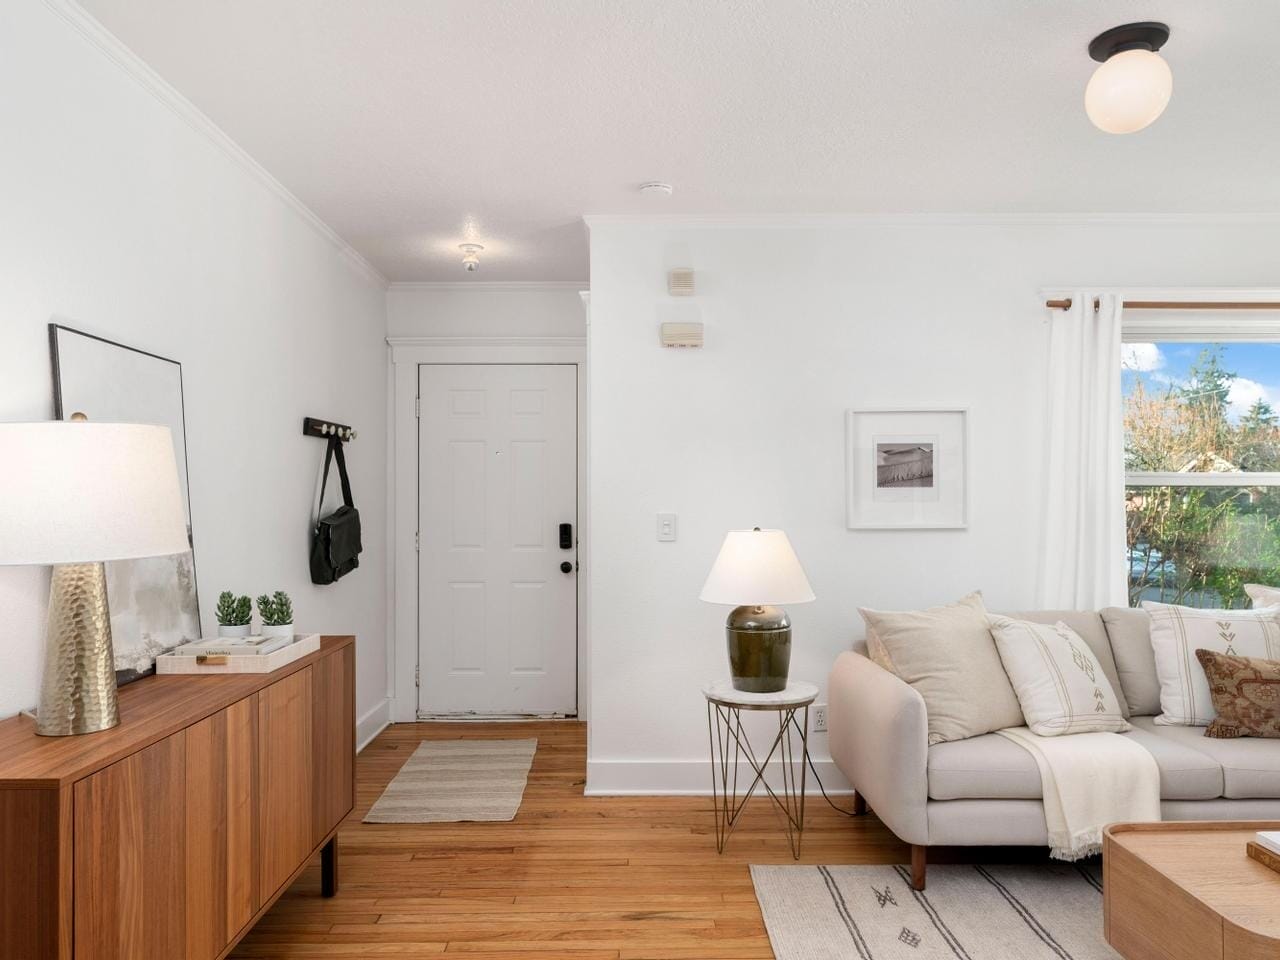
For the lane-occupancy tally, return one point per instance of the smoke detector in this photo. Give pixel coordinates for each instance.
(470, 256)
(656, 188)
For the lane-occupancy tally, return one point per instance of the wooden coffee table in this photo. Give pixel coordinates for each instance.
(1188, 891)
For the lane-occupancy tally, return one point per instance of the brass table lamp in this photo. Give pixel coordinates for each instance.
(73, 495)
(758, 572)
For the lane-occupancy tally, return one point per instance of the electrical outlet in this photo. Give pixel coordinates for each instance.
(820, 718)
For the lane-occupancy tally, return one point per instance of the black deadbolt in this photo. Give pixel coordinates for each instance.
(566, 537)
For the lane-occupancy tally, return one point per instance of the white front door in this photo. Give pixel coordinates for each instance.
(497, 573)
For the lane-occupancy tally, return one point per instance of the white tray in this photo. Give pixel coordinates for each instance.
(169, 663)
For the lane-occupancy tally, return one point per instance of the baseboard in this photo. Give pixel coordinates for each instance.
(372, 723)
(692, 778)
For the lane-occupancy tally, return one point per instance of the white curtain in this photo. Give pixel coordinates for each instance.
(1082, 566)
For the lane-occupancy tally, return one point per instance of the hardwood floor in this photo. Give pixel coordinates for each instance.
(572, 877)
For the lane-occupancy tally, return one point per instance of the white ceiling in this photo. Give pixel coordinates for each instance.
(411, 126)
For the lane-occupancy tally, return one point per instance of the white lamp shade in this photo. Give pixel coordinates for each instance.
(757, 568)
(1129, 91)
(85, 492)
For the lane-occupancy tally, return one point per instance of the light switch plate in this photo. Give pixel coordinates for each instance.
(666, 527)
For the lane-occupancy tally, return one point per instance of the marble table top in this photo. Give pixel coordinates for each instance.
(797, 694)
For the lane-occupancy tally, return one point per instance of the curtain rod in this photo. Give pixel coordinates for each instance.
(1177, 304)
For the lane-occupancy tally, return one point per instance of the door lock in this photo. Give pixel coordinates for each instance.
(566, 567)
(566, 536)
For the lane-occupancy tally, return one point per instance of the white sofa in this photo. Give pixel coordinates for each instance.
(985, 791)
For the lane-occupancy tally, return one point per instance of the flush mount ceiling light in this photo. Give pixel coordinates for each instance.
(1132, 86)
(470, 256)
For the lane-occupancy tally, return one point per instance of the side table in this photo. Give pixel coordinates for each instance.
(730, 746)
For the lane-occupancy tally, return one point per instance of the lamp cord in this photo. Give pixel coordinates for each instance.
(831, 803)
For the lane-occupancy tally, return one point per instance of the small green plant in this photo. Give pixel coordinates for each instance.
(276, 610)
(233, 611)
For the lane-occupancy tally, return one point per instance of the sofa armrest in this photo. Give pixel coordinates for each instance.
(878, 733)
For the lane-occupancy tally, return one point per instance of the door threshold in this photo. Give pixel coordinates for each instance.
(494, 717)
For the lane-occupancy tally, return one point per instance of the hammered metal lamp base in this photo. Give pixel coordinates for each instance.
(78, 694)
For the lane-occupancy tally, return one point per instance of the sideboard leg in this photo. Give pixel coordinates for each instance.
(329, 868)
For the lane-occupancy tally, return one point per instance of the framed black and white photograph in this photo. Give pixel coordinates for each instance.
(907, 468)
(153, 600)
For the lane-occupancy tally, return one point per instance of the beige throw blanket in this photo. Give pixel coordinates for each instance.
(1090, 780)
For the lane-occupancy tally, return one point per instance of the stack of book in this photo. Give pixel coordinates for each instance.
(1265, 848)
(237, 654)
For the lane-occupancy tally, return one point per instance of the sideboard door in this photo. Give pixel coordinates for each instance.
(333, 729)
(285, 779)
(222, 892)
(130, 884)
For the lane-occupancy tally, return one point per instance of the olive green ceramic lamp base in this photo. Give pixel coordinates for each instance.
(759, 648)
(78, 694)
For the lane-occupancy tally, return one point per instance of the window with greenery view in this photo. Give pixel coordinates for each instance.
(1202, 455)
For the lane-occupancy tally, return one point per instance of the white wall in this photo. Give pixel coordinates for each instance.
(127, 220)
(479, 309)
(804, 323)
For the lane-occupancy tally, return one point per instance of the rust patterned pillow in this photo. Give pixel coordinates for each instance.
(1246, 695)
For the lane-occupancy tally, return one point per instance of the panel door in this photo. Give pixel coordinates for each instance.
(222, 892)
(497, 616)
(333, 736)
(130, 880)
(285, 778)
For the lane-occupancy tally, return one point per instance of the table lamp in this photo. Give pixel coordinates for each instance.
(758, 572)
(73, 494)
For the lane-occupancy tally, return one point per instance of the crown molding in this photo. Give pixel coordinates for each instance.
(811, 220)
(114, 50)
(488, 286)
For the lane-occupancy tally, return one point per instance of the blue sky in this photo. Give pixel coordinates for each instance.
(1257, 366)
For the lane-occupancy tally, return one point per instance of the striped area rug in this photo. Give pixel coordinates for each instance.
(447, 781)
(1023, 912)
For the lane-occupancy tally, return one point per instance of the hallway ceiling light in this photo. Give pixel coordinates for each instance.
(470, 256)
(1132, 86)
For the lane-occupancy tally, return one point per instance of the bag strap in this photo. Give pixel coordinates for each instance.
(342, 471)
(324, 480)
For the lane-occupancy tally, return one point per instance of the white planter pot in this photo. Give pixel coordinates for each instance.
(241, 631)
(282, 630)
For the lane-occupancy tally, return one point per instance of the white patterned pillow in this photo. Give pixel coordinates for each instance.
(1178, 632)
(1058, 680)
(1262, 596)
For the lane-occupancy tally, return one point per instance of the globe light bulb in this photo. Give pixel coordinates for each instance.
(1128, 91)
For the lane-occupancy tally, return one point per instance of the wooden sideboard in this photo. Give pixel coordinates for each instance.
(169, 835)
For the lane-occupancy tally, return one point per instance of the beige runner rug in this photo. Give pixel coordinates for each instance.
(448, 781)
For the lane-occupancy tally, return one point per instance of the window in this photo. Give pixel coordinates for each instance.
(1202, 460)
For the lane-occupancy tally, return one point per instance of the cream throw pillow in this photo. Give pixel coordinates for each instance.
(948, 656)
(1178, 632)
(1262, 596)
(1058, 680)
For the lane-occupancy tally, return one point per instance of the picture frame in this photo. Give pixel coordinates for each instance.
(154, 601)
(907, 468)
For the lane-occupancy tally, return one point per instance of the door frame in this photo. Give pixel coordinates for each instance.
(405, 356)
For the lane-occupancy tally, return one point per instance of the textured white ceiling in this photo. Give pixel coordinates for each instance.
(413, 125)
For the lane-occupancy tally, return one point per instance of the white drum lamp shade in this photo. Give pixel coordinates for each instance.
(757, 568)
(73, 495)
(87, 492)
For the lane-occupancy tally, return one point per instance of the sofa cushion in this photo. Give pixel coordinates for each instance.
(1059, 682)
(948, 656)
(1185, 773)
(1092, 631)
(989, 767)
(993, 768)
(1130, 634)
(1250, 768)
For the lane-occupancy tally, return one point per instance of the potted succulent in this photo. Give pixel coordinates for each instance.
(277, 614)
(235, 615)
